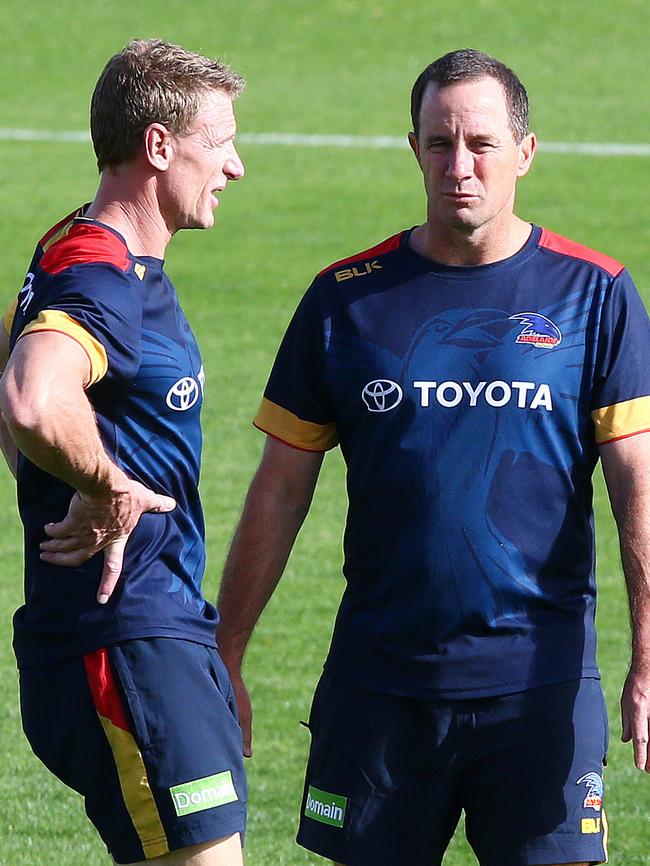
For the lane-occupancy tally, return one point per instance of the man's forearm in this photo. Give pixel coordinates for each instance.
(634, 533)
(626, 465)
(61, 437)
(255, 563)
(44, 406)
(275, 508)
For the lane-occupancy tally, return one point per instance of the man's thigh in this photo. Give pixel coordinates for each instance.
(223, 852)
(147, 732)
(533, 787)
(380, 784)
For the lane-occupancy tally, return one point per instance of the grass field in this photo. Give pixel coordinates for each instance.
(332, 67)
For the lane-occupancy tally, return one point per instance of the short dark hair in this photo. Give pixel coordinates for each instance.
(467, 64)
(151, 81)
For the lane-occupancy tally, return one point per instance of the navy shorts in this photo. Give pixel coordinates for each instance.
(146, 731)
(388, 776)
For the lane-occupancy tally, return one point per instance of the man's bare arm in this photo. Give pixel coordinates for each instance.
(45, 408)
(7, 444)
(626, 465)
(276, 505)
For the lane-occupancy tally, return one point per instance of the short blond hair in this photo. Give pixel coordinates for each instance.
(151, 81)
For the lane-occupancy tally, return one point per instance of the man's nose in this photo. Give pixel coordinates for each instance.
(461, 162)
(233, 167)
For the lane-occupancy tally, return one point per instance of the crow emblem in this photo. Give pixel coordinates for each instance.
(537, 331)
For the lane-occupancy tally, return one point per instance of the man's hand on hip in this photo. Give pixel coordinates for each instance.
(101, 523)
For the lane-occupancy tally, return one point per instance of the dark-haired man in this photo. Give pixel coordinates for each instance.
(123, 694)
(472, 370)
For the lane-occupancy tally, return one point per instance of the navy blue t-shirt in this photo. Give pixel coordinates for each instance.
(146, 390)
(468, 403)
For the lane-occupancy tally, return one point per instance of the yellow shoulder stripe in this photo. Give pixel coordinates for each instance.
(56, 320)
(284, 425)
(10, 312)
(622, 419)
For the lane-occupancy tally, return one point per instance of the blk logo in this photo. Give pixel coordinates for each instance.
(361, 271)
(381, 395)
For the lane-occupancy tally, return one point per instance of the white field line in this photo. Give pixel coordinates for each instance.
(373, 142)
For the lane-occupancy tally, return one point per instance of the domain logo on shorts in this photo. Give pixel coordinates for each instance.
(326, 808)
(203, 794)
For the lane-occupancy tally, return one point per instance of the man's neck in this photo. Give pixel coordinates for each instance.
(135, 215)
(450, 246)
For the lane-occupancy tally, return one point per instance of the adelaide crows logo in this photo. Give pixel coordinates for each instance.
(538, 330)
(594, 798)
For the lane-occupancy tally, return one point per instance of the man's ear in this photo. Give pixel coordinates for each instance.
(527, 150)
(413, 141)
(158, 146)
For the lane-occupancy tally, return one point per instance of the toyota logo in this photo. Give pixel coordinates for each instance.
(381, 395)
(183, 394)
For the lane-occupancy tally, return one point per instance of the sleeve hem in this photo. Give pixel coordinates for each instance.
(295, 445)
(624, 436)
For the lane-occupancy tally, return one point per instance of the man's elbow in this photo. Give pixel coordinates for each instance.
(22, 413)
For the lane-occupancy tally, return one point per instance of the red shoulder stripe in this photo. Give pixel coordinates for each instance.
(83, 245)
(106, 697)
(381, 249)
(558, 244)
(57, 228)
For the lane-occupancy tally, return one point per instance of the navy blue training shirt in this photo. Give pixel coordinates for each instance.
(146, 390)
(469, 404)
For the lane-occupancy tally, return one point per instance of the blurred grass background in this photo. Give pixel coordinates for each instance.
(328, 68)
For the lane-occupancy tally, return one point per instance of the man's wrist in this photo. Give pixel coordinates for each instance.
(232, 657)
(108, 483)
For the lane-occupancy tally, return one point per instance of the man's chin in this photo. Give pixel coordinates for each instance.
(199, 222)
(464, 223)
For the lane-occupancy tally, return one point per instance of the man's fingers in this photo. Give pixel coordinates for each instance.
(247, 736)
(639, 727)
(89, 524)
(246, 724)
(626, 726)
(61, 529)
(113, 559)
(635, 718)
(67, 558)
(244, 714)
(64, 545)
(641, 753)
(160, 504)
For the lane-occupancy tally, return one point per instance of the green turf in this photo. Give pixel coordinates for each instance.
(330, 67)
